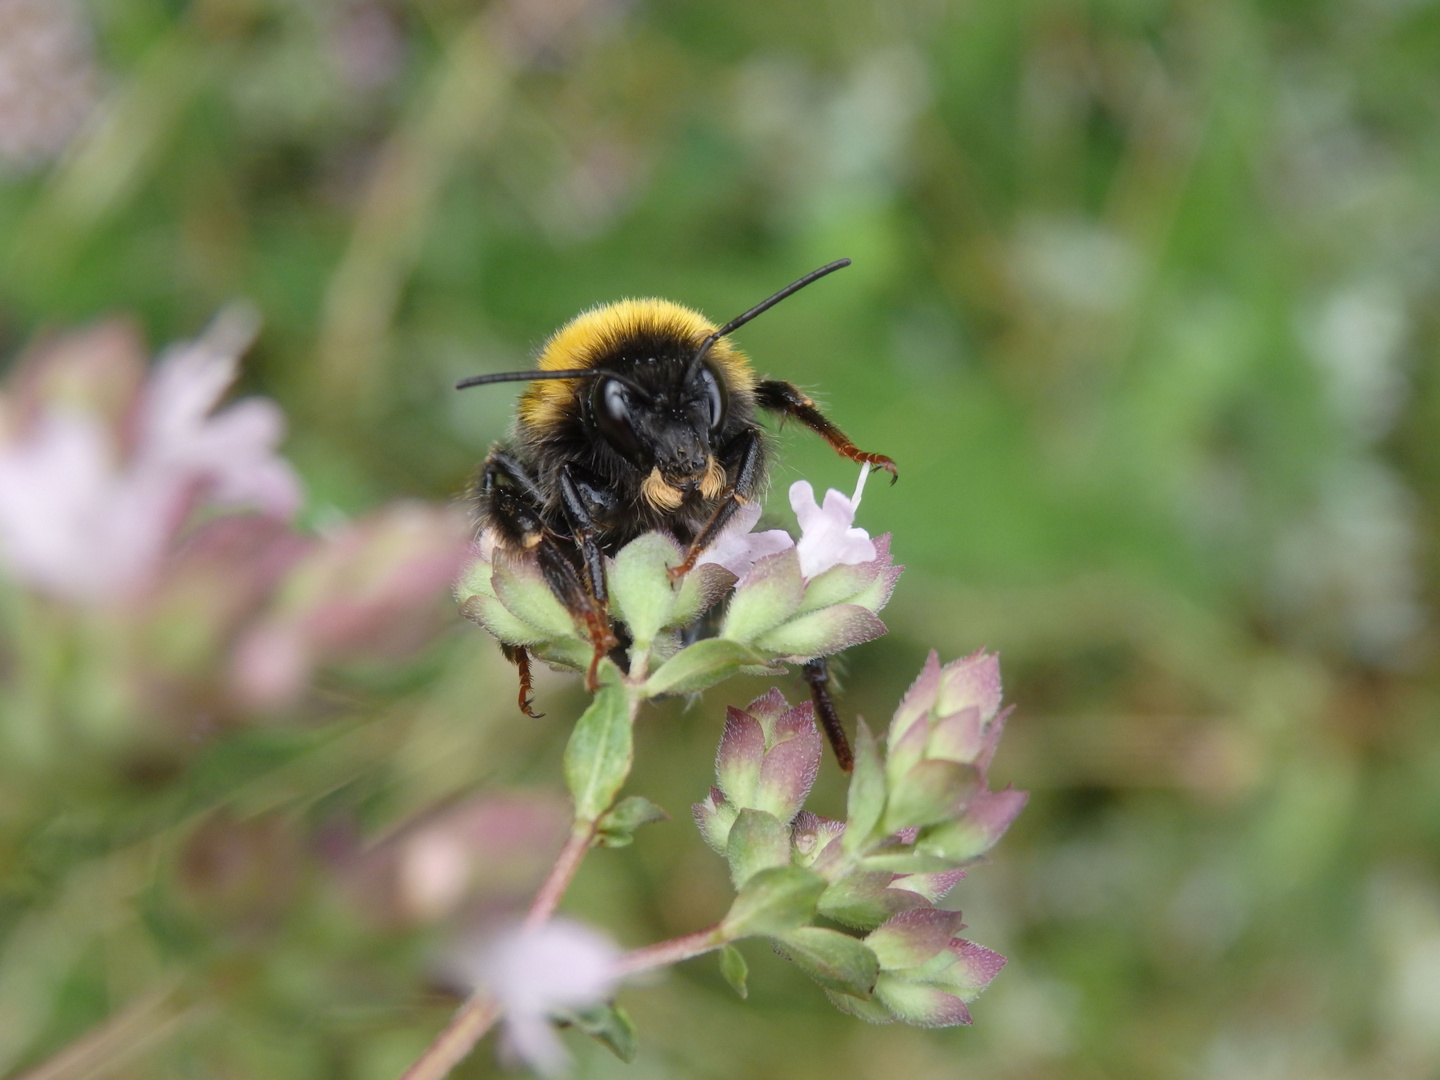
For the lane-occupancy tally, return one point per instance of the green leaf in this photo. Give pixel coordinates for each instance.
(774, 902)
(869, 1010)
(475, 581)
(836, 961)
(903, 861)
(616, 827)
(866, 801)
(700, 665)
(758, 841)
(838, 585)
(609, 1024)
(930, 792)
(601, 748)
(641, 592)
(864, 900)
(822, 632)
(735, 970)
(493, 616)
(523, 590)
(701, 590)
(771, 594)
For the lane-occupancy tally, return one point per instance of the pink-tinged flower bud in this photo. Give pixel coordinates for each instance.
(959, 968)
(713, 818)
(769, 756)
(920, 1005)
(742, 752)
(912, 938)
(768, 759)
(866, 899)
(814, 840)
(790, 768)
(958, 706)
(371, 590)
(987, 815)
(933, 887)
(970, 970)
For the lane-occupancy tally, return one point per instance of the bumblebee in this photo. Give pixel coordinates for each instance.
(640, 416)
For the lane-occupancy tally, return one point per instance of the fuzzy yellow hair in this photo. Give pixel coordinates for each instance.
(594, 333)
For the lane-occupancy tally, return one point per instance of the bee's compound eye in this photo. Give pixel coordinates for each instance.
(610, 402)
(716, 397)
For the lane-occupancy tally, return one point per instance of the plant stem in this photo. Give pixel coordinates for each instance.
(664, 953)
(479, 1014)
(454, 1044)
(561, 874)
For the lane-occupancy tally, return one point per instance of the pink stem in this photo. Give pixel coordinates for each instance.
(561, 874)
(664, 953)
(454, 1044)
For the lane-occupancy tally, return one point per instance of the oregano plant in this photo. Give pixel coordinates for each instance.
(856, 904)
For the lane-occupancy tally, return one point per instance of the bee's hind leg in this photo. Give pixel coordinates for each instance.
(817, 676)
(517, 655)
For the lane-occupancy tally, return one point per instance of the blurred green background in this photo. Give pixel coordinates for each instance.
(1143, 304)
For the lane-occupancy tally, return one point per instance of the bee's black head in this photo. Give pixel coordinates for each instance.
(656, 410)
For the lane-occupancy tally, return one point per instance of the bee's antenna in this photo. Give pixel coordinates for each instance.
(535, 376)
(525, 376)
(760, 309)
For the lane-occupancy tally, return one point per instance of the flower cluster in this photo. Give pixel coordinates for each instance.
(788, 600)
(919, 813)
(915, 821)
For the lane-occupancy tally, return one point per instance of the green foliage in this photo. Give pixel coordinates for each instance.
(600, 751)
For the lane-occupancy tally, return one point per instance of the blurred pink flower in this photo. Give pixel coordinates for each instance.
(88, 510)
(49, 81)
(371, 589)
(828, 537)
(534, 974)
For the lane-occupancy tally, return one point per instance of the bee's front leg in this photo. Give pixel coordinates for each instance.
(788, 400)
(750, 450)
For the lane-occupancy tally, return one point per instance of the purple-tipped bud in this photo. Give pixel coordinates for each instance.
(971, 682)
(865, 900)
(957, 737)
(822, 633)
(922, 1006)
(713, 818)
(912, 938)
(971, 970)
(814, 840)
(915, 706)
(741, 754)
(789, 771)
(769, 756)
(933, 887)
(986, 817)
